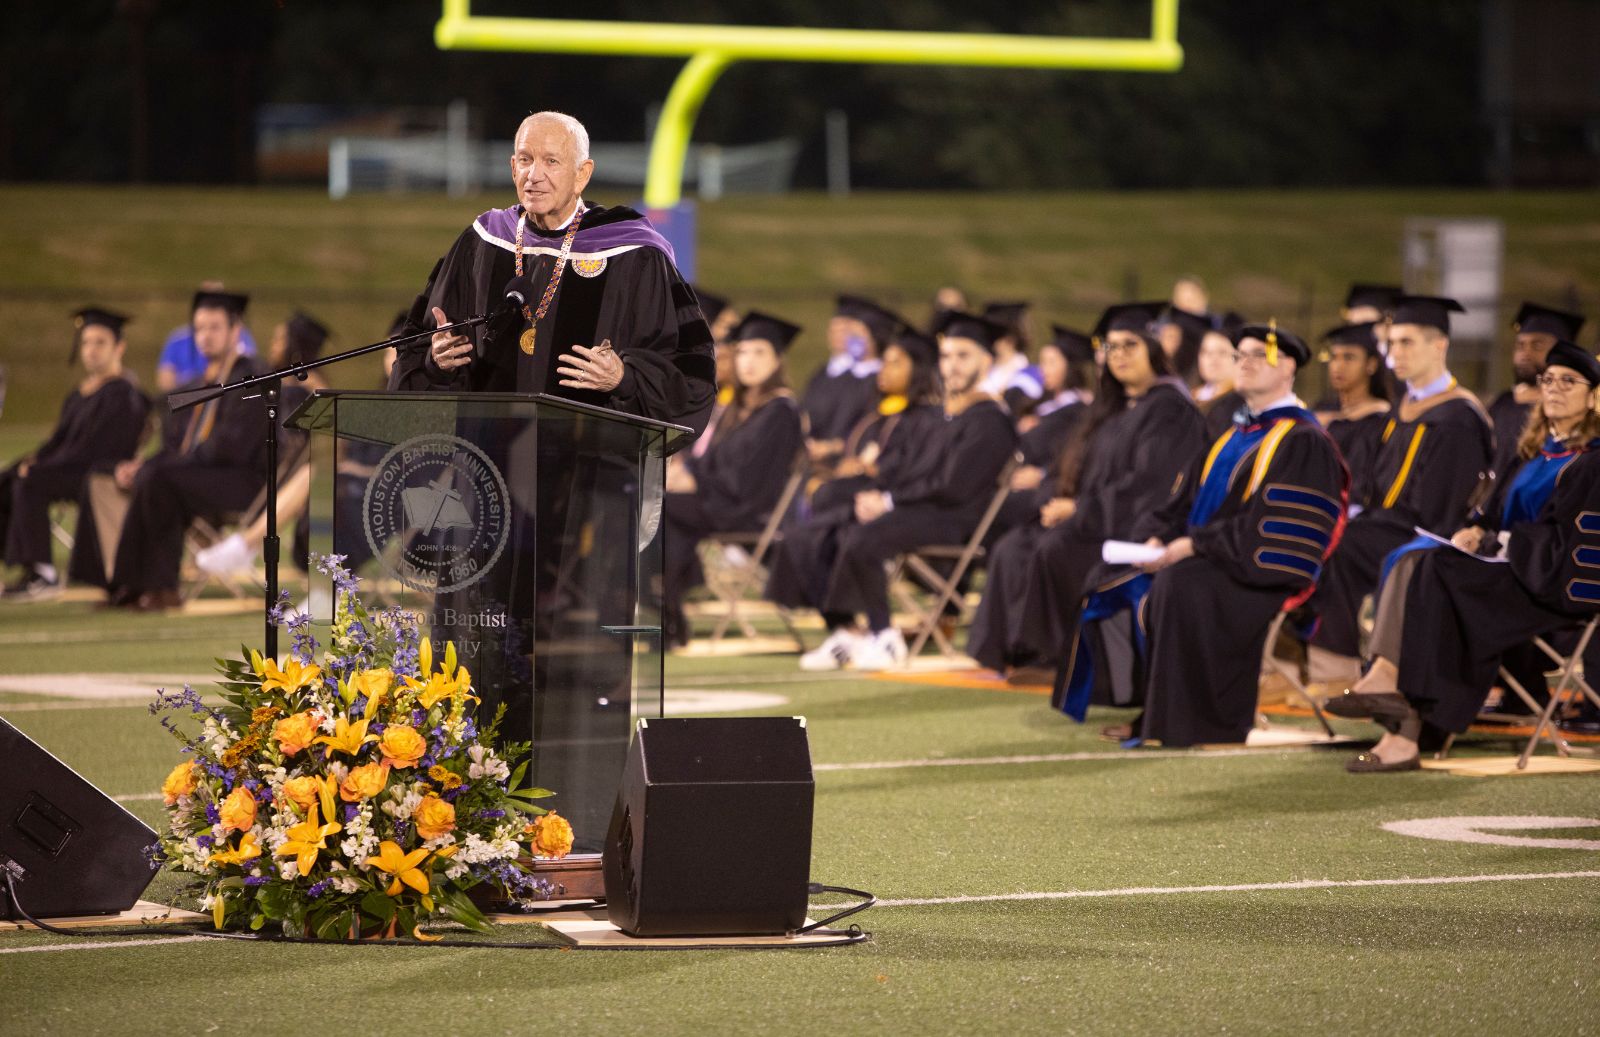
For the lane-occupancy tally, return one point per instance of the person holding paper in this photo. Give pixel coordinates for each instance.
(1245, 534)
(1121, 461)
(1445, 617)
(1434, 451)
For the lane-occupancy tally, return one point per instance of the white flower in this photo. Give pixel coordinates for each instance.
(345, 884)
(289, 868)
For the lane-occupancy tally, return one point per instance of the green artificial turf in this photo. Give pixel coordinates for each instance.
(1516, 955)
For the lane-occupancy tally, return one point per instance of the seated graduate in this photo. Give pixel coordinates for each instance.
(1366, 304)
(1536, 328)
(733, 485)
(1066, 372)
(942, 506)
(1445, 617)
(1246, 533)
(212, 461)
(845, 389)
(888, 452)
(1120, 463)
(1181, 333)
(102, 422)
(1218, 367)
(1013, 380)
(1434, 450)
(1362, 386)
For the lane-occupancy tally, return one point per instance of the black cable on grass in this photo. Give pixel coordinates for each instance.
(847, 936)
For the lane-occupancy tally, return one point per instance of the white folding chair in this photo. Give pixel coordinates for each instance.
(732, 579)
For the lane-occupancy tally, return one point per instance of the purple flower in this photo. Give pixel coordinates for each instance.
(350, 812)
(317, 890)
(205, 842)
(491, 815)
(213, 815)
(277, 613)
(256, 880)
(333, 565)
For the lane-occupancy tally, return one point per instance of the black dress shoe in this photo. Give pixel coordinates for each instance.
(1368, 763)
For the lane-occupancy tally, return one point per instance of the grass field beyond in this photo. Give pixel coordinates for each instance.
(925, 792)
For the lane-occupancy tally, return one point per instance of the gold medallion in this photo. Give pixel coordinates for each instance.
(526, 341)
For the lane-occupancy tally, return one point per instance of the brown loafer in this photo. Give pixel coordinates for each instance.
(1358, 705)
(1368, 763)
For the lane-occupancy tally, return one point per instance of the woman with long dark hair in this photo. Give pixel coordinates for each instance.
(1121, 461)
(733, 485)
(1364, 387)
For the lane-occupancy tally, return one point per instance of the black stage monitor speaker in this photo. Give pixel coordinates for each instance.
(70, 848)
(711, 834)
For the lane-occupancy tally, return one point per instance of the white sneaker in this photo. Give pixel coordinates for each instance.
(226, 557)
(885, 650)
(833, 653)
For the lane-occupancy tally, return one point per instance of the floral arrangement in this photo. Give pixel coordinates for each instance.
(350, 793)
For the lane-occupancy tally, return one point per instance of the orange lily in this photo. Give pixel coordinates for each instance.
(246, 851)
(291, 678)
(306, 840)
(347, 738)
(400, 866)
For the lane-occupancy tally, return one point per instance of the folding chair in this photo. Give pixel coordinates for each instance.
(1271, 664)
(920, 563)
(733, 580)
(1572, 677)
(202, 533)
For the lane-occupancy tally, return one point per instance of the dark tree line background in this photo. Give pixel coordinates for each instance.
(1353, 92)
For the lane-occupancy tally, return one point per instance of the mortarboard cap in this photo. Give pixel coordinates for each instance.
(234, 303)
(1137, 317)
(983, 331)
(1077, 347)
(881, 323)
(306, 336)
(1231, 322)
(1363, 335)
(922, 349)
(1196, 324)
(711, 304)
(1542, 320)
(1286, 341)
(763, 326)
(1009, 315)
(108, 319)
(1380, 297)
(1571, 355)
(1429, 311)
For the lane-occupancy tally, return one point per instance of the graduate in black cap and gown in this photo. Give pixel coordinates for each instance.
(735, 483)
(1446, 615)
(102, 422)
(1119, 463)
(605, 319)
(1537, 328)
(1181, 334)
(890, 452)
(1361, 386)
(212, 461)
(1013, 379)
(942, 506)
(845, 389)
(1217, 367)
(1066, 373)
(1434, 451)
(1246, 533)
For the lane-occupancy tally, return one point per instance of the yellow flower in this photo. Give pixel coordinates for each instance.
(434, 817)
(364, 782)
(295, 732)
(306, 840)
(180, 782)
(235, 754)
(444, 776)
(347, 738)
(239, 810)
(400, 866)
(302, 792)
(294, 676)
(401, 746)
(374, 684)
(246, 851)
(552, 835)
(264, 714)
(436, 686)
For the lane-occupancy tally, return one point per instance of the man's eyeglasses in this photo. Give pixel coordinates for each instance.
(1113, 348)
(1256, 356)
(1564, 382)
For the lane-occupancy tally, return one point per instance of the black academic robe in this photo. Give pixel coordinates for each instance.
(1358, 438)
(212, 463)
(1037, 577)
(835, 403)
(1206, 618)
(1509, 419)
(637, 300)
(1219, 412)
(1041, 447)
(738, 481)
(938, 504)
(99, 429)
(1463, 613)
(1431, 458)
(801, 563)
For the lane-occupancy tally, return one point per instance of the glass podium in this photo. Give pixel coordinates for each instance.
(526, 529)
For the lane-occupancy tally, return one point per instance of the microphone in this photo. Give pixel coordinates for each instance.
(519, 290)
(506, 320)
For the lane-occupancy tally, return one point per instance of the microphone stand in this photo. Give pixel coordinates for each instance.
(269, 386)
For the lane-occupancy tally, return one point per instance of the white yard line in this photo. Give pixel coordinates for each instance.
(99, 945)
(1001, 761)
(1246, 887)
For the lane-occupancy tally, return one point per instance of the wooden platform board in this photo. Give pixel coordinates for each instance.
(1506, 766)
(595, 932)
(144, 912)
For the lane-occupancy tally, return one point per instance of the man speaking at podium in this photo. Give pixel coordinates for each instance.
(599, 313)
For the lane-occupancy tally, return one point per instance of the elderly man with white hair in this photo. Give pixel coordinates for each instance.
(607, 319)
